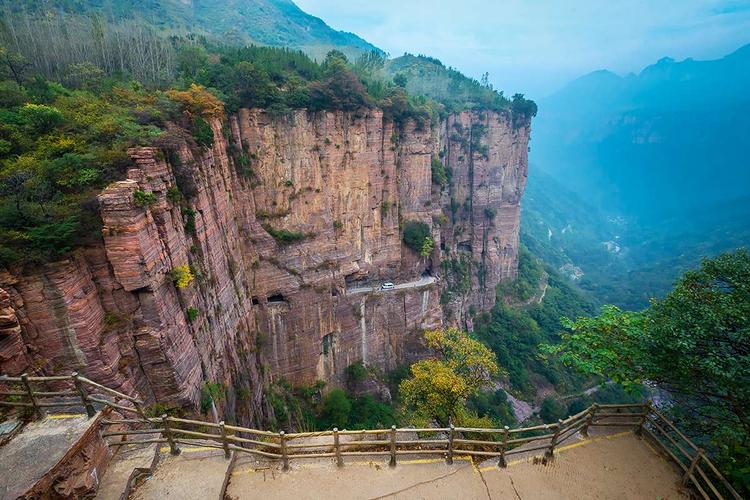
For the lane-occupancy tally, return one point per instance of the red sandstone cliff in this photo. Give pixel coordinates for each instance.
(269, 310)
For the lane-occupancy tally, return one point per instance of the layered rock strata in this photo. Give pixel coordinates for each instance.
(289, 226)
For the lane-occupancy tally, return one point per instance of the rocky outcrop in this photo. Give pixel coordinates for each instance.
(286, 224)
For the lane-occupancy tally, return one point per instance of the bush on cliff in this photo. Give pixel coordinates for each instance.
(284, 236)
(182, 276)
(415, 235)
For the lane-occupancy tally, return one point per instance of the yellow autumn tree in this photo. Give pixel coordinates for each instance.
(439, 387)
(198, 101)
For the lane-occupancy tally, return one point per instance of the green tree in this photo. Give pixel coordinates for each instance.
(415, 234)
(335, 409)
(694, 343)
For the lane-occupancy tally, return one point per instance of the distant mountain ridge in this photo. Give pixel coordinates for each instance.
(660, 143)
(279, 23)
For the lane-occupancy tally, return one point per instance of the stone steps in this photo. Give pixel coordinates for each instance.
(128, 463)
(196, 473)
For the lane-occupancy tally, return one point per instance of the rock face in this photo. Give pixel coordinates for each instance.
(288, 225)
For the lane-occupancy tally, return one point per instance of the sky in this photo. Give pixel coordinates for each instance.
(537, 46)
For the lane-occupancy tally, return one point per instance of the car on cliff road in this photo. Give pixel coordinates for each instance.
(387, 286)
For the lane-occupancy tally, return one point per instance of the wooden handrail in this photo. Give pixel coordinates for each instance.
(170, 429)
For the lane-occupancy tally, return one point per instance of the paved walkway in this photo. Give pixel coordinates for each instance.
(195, 474)
(23, 464)
(618, 466)
(423, 281)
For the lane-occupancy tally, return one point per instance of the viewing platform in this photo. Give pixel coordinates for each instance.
(116, 451)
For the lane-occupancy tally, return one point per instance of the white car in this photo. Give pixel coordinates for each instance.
(387, 286)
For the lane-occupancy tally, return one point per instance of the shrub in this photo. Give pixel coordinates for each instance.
(202, 133)
(440, 174)
(415, 234)
(211, 392)
(551, 411)
(338, 225)
(427, 246)
(284, 236)
(41, 118)
(192, 314)
(11, 94)
(158, 409)
(143, 199)
(356, 373)
(367, 413)
(189, 215)
(198, 101)
(182, 276)
(335, 409)
(174, 195)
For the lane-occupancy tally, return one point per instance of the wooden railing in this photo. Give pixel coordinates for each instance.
(448, 442)
(76, 391)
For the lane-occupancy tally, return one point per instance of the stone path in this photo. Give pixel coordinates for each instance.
(618, 466)
(195, 474)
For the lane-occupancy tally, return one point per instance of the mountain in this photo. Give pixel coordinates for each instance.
(618, 260)
(278, 23)
(669, 141)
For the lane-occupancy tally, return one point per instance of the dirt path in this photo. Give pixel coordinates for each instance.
(615, 466)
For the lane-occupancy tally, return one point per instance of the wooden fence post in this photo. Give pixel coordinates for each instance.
(451, 435)
(224, 441)
(173, 449)
(646, 411)
(589, 419)
(90, 411)
(691, 469)
(337, 447)
(551, 451)
(30, 393)
(501, 461)
(284, 454)
(139, 409)
(392, 463)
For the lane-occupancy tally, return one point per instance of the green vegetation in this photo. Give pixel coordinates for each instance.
(211, 393)
(284, 236)
(530, 276)
(416, 234)
(441, 175)
(514, 333)
(694, 344)
(192, 314)
(58, 148)
(61, 143)
(309, 408)
(143, 199)
(427, 245)
(174, 195)
(355, 373)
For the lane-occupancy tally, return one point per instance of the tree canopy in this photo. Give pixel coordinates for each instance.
(694, 343)
(439, 388)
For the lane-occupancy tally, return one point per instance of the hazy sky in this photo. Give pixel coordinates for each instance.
(536, 46)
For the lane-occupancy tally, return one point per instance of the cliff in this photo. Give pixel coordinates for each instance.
(286, 223)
